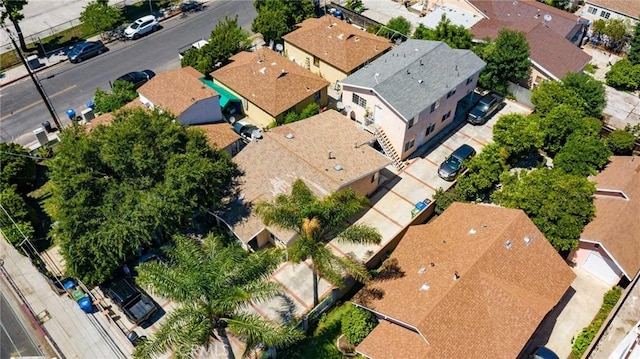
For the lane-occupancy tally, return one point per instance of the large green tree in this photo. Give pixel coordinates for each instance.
(560, 204)
(621, 142)
(12, 10)
(122, 93)
(316, 222)
(226, 40)
(456, 36)
(15, 216)
(550, 94)
(518, 134)
(507, 58)
(16, 165)
(124, 186)
(616, 30)
(558, 125)
(214, 285)
(483, 173)
(634, 49)
(99, 16)
(395, 28)
(279, 13)
(590, 90)
(582, 155)
(624, 75)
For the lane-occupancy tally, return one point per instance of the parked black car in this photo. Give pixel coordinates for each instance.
(135, 304)
(86, 50)
(486, 107)
(190, 6)
(137, 78)
(453, 165)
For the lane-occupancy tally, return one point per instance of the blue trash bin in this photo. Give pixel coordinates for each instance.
(71, 113)
(85, 305)
(69, 285)
(91, 105)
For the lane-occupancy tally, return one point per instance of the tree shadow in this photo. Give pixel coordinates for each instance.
(287, 311)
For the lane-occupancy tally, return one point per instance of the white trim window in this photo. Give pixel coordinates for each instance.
(359, 100)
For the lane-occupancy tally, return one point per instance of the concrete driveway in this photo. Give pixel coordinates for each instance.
(574, 312)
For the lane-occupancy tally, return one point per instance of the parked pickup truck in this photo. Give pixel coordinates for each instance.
(486, 107)
(196, 45)
(135, 304)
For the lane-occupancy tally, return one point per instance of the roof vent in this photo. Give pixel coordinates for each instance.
(456, 276)
(421, 63)
(289, 136)
(432, 264)
(338, 168)
(527, 240)
(357, 39)
(422, 270)
(425, 286)
(484, 225)
(472, 231)
(420, 81)
(507, 244)
(340, 36)
(444, 242)
(263, 70)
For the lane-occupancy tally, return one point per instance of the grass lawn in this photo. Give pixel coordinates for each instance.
(322, 345)
(38, 200)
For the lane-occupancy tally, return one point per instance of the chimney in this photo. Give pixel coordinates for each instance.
(330, 156)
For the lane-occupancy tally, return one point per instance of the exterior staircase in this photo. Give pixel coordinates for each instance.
(388, 148)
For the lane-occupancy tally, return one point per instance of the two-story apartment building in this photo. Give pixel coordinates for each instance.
(332, 48)
(612, 9)
(410, 93)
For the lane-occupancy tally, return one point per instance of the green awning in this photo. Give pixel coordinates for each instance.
(225, 95)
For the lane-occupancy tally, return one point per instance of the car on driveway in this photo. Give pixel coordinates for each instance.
(137, 78)
(486, 107)
(136, 305)
(454, 164)
(142, 26)
(86, 50)
(543, 353)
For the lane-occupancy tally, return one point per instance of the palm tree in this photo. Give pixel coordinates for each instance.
(214, 284)
(317, 221)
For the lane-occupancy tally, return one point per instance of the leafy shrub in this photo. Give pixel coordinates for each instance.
(582, 155)
(621, 142)
(357, 324)
(624, 75)
(591, 68)
(581, 343)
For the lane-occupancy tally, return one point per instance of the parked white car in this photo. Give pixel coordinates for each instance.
(142, 26)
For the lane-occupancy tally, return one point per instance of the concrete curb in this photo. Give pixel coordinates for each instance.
(64, 60)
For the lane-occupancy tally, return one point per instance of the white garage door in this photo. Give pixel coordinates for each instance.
(603, 268)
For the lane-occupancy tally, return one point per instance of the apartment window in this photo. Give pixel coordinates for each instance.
(605, 14)
(451, 93)
(592, 10)
(435, 105)
(410, 123)
(409, 144)
(359, 101)
(446, 116)
(316, 61)
(430, 129)
(470, 80)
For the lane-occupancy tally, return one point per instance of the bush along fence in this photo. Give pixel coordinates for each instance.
(582, 342)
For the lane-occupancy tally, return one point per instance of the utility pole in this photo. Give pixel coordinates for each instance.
(36, 82)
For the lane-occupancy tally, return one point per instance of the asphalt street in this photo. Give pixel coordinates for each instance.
(72, 85)
(15, 339)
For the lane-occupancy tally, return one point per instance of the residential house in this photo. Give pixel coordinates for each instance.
(332, 48)
(183, 94)
(609, 246)
(476, 282)
(106, 118)
(222, 136)
(411, 93)
(612, 9)
(327, 151)
(269, 85)
(554, 35)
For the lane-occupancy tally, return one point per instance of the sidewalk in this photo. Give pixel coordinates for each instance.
(77, 335)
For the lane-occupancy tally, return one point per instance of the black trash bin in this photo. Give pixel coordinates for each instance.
(47, 126)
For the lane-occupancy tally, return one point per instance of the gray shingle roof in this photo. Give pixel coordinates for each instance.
(416, 73)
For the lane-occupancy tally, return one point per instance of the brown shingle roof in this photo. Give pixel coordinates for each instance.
(616, 224)
(176, 90)
(269, 80)
(219, 135)
(630, 8)
(337, 43)
(107, 118)
(500, 297)
(549, 46)
(272, 164)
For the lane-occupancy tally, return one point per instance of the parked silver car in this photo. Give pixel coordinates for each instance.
(142, 26)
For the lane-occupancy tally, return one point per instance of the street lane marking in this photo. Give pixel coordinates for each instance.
(36, 103)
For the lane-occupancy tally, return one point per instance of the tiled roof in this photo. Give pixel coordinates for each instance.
(548, 40)
(416, 73)
(631, 8)
(617, 221)
(219, 135)
(176, 90)
(269, 80)
(337, 43)
(272, 164)
(469, 283)
(107, 118)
